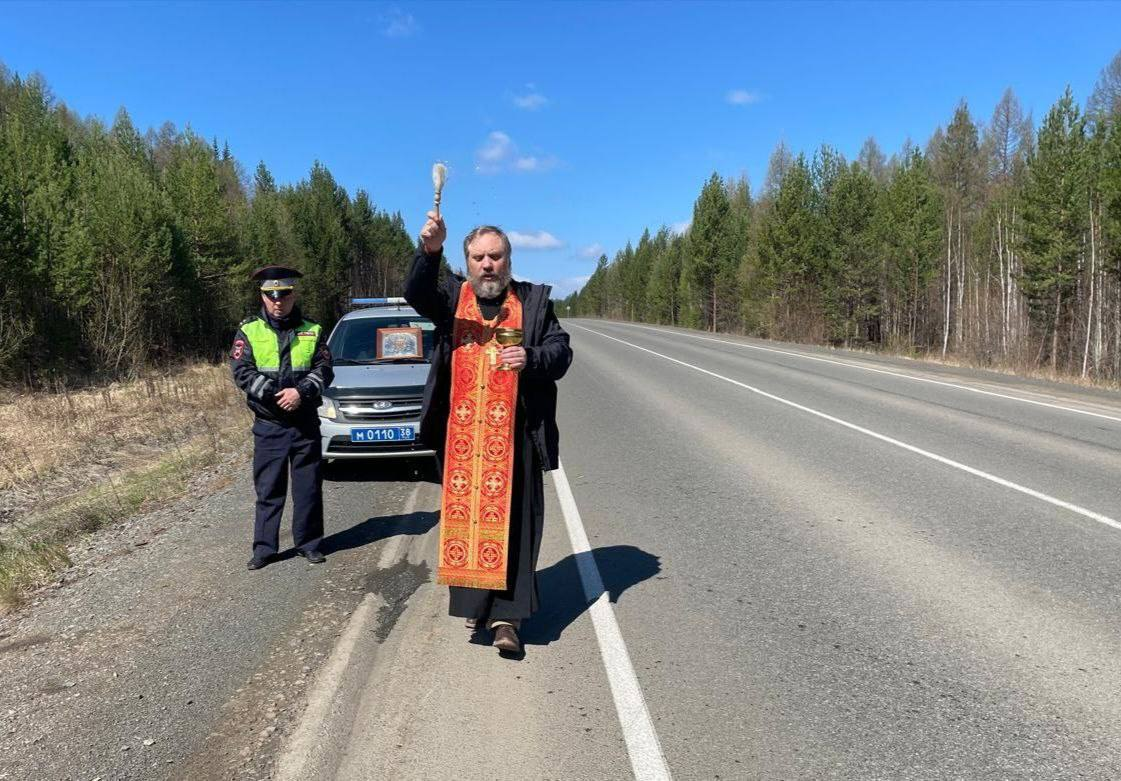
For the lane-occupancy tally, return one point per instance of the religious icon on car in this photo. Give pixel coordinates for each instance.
(399, 343)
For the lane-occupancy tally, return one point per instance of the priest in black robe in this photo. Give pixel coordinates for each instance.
(541, 360)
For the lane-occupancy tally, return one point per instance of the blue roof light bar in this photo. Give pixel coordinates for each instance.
(392, 301)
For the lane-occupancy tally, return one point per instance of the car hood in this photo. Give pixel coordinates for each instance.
(380, 378)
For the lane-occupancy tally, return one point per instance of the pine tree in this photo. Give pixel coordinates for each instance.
(788, 249)
(592, 299)
(662, 296)
(319, 209)
(36, 186)
(730, 279)
(263, 183)
(131, 276)
(909, 227)
(1054, 219)
(851, 243)
(709, 253)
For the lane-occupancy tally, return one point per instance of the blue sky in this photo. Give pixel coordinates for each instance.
(574, 125)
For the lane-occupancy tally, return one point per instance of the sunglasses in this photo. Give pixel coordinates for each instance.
(277, 295)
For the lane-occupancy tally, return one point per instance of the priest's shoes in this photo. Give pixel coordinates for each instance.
(506, 639)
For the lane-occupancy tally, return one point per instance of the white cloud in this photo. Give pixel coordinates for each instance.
(567, 285)
(531, 101)
(499, 153)
(681, 227)
(534, 240)
(742, 97)
(495, 151)
(399, 24)
(592, 251)
(535, 164)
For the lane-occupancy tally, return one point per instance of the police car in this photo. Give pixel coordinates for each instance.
(381, 352)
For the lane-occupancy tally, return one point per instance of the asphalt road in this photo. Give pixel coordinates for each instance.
(832, 604)
(804, 565)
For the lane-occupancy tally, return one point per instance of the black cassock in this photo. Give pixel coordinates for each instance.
(527, 521)
(536, 438)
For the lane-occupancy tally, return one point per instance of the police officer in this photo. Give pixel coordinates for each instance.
(281, 362)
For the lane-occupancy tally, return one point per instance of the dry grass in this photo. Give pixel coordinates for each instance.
(1012, 366)
(45, 434)
(72, 462)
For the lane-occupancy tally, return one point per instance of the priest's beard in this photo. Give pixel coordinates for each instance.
(491, 288)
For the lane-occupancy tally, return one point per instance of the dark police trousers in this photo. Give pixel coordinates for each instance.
(274, 446)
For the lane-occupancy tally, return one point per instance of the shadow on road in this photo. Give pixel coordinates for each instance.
(382, 470)
(562, 594)
(374, 529)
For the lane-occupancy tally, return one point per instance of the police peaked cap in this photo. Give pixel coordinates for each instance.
(276, 277)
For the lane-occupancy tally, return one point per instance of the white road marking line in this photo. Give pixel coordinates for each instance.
(645, 751)
(1074, 508)
(901, 375)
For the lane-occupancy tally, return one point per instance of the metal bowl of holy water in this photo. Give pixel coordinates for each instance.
(508, 337)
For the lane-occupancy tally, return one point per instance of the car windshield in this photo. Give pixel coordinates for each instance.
(356, 341)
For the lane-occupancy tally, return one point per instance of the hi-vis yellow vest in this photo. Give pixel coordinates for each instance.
(265, 343)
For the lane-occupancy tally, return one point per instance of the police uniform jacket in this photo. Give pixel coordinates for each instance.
(270, 355)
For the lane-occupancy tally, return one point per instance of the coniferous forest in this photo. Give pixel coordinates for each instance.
(121, 250)
(997, 243)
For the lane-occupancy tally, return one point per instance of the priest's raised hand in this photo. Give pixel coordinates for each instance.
(433, 234)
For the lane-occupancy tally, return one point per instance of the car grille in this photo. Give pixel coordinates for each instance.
(360, 409)
(342, 444)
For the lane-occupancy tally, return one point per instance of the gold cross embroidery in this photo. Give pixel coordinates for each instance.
(492, 353)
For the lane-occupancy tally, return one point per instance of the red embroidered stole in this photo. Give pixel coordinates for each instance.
(479, 452)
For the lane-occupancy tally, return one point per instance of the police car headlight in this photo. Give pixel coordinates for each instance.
(327, 409)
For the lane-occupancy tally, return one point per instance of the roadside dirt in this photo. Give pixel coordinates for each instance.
(157, 655)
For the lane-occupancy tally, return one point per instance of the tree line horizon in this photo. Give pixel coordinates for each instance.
(120, 251)
(996, 243)
(999, 244)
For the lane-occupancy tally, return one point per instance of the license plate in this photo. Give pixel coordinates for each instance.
(383, 434)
